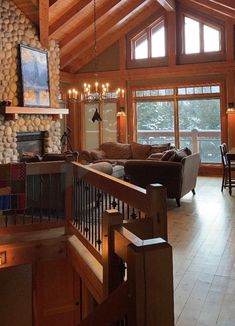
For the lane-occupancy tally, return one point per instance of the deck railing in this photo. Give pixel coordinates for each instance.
(204, 141)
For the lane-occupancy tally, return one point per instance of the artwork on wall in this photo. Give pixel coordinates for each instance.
(35, 77)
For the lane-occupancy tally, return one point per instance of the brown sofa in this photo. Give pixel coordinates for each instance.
(178, 177)
(120, 153)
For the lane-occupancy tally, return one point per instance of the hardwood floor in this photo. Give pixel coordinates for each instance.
(202, 234)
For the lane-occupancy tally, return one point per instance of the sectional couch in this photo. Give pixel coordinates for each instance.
(120, 153)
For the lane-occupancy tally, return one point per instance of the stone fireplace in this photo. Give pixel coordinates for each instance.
(17, 29)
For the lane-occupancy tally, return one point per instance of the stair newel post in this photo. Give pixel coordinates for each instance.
(158, 211)
(150, 284)
(111, 262)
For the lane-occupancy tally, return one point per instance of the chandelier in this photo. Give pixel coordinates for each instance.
(98, 92)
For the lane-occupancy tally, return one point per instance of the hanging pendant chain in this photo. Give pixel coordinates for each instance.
(95, 39)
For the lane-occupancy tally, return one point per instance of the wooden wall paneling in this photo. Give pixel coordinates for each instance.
(78, 297)
(44, 22)
(229, 39)
(55, 293)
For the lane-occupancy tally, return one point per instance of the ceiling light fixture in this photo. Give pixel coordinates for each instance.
(98, 92)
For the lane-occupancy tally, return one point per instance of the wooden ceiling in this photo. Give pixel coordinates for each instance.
(71, 22)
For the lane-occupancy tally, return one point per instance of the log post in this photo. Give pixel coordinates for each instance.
(111, 262)
(158, 211)
(150, 284)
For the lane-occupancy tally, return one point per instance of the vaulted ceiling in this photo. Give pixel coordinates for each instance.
(71, 22)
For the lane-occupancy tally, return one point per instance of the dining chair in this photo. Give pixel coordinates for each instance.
(225, 180)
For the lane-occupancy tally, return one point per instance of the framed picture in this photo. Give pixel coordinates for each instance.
(35, 77)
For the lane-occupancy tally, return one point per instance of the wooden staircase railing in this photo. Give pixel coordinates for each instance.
(143, 294)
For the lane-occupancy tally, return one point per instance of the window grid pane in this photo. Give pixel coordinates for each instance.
(211, 39)
(141, 47)
(158, 42)
(192, 36)
(155, 122)
(155, 92)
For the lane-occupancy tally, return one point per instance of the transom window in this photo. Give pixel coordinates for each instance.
(200, 37)
(150, 43)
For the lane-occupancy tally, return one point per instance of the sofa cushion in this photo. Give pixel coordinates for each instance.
(159, 148)
(140, 151)
(116, 150)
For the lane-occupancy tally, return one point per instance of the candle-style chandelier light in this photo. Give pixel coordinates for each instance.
(98, 92)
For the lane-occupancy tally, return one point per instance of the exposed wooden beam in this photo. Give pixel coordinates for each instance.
(85, 41)
(63, 19)
(215, 6)
(169, 5)
(44, 22)
(112, 35)
(230, 4)
(86, 21)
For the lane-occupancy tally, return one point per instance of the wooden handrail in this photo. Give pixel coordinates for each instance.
(133, 195)
(52, 167)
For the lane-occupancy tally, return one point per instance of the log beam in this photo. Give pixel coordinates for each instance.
(44, 22)
(169, 5)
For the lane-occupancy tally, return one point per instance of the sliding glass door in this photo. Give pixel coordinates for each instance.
(200, 127)
(155, 122)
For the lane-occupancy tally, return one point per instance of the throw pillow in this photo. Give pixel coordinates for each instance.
(159, 148)
(180, 154)
(168, 154)
(155, 156)
(140, 151)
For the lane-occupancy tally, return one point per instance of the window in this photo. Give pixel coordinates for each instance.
(187, 116)
(155, 122)
(200, 128)
(104, 131)
(150, 43)
(200, 37)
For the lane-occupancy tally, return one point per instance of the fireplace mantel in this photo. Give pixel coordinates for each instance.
(12, 112)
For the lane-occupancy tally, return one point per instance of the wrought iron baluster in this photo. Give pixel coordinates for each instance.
(133, 214)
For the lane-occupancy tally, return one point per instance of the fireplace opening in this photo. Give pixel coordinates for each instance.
(30, 143)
